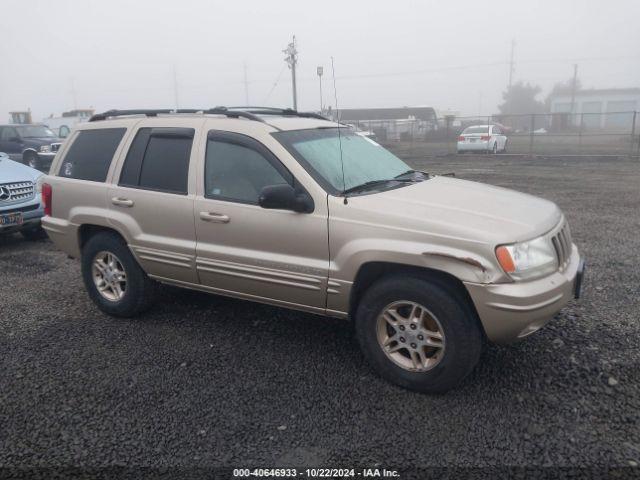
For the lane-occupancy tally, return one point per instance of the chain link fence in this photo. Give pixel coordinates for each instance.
(611, 133)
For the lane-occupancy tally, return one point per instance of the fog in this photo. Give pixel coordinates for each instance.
(57, 55)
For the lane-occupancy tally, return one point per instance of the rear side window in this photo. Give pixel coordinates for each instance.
(159, 160)
(90, 154)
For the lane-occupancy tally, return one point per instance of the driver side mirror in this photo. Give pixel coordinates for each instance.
(284, 197)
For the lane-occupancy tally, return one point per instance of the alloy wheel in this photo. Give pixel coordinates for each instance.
(109, 276)
(410, 336)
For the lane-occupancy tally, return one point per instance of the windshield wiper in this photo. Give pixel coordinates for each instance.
(373, 183)
(411, 173)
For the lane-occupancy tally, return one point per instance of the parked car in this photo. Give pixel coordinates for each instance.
(295, 211)
(20, 202)
(482, 138)
(33, 145)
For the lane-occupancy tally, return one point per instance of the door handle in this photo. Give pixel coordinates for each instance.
(214, 217)
(122, 202)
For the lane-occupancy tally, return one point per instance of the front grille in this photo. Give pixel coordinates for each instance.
(55, 147)
(562, 244)
(16, 192)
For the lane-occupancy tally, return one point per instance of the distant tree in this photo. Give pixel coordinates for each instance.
(520, 98)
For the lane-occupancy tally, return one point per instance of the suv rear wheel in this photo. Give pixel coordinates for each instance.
(418, 334)
(114, 280)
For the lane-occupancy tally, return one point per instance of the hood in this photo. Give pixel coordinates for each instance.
(450, 207)
(11, 172)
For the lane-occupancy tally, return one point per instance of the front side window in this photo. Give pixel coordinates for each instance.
(238, 169)
(158, 159)
(330, 157)
(64, 131)
(90, 154)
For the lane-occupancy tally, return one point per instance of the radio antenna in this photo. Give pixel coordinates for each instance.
(335, 95)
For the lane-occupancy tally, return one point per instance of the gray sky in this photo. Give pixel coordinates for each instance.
(450, 55)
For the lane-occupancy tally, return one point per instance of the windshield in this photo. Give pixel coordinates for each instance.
(33, 131)
(364, 160)
(484, 129)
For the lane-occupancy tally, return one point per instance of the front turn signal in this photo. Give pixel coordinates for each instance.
(504, 257)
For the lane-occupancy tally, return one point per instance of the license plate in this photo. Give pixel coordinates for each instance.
(11, 219)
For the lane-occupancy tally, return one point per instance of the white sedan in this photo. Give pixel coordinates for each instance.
(482, 138)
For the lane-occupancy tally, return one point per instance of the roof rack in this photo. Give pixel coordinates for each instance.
(155, 113)
(250, 113)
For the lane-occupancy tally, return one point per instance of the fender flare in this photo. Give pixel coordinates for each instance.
(30, 149)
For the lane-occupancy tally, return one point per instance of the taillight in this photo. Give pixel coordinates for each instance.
(461, 138)
(47, 197)
(485, 138)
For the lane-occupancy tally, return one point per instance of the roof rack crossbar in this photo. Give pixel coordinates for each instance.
(278, 111)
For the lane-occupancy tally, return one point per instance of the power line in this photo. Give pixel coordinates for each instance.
(275, 84)
(432, 70)
(469, 66)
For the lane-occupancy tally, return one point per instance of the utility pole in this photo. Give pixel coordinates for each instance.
(175, 86)
(319, 71)
(246, 86)
(292, 60)
(512, 66)
(574, 84)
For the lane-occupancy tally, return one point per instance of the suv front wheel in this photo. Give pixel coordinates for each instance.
(418, 334)
(114, 280)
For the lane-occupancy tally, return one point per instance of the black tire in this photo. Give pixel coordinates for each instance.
(34, 234)
(494, 150)
(31, 159)
(463, 336)
(140, 289)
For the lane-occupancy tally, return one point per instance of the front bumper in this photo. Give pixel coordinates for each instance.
(510, 311)
(32, 213)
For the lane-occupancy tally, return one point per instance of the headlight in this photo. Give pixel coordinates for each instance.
(527, 260)
(45, 148)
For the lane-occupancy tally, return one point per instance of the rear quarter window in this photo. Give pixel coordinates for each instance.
(90, 154)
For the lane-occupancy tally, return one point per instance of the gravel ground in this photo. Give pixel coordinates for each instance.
(204, 381)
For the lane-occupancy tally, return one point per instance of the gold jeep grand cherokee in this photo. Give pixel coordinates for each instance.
(291, 209)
